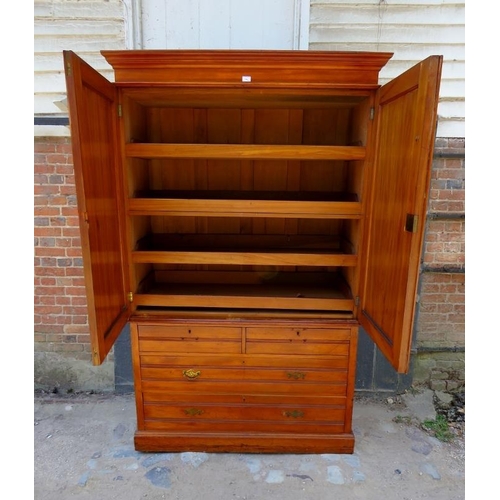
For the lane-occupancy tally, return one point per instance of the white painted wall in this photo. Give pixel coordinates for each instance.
(411, 29)
(222, 24)
(85, 26)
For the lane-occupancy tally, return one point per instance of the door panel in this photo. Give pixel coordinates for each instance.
(406, 124)
(197, 24)
(92, 106)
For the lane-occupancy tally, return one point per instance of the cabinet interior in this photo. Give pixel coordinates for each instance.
(245, 201)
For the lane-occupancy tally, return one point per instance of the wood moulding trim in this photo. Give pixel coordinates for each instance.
(268, 67)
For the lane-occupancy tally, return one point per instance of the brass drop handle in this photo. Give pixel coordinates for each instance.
(296, 375)
(293, 414)
(191, 373)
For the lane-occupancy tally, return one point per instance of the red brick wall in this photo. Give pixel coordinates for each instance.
(440, 324)
(60, 303)
(442, 296)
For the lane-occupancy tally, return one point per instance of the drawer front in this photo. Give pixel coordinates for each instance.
(303, 341)
(298, 334)
(189, 339)
(248, 427)
(282, 413)
(189, 332)
(240, 368)
(244, 387)
(187, 398)
(296, 363)
(236, 413)
(195, 373)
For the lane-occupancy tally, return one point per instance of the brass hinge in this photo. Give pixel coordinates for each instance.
(130, 296)
(85, 217)
(356, 301)
(372, 113)
(119, 110)
(68, 68)
(95, 353)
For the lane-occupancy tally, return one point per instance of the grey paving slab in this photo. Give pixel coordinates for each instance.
(84, 450)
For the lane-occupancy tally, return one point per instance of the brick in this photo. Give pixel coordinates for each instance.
(49, 252)
(48, 328)
(46, 189)
(42, 221)
(47, 231)
(75, 250)
(74, 271)
(78, 329)
(47, 242)
(64, 169)
(63, 301)
(79, 301)
(64, 262)
(46, 300)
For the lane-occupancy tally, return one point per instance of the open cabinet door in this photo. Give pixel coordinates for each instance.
(93, 119)
(406, 110)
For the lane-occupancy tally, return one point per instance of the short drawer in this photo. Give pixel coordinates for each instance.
(189, 339)
(189, 332)
(303, 341)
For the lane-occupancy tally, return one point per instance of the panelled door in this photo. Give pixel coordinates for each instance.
(93, 119)
(405, 116)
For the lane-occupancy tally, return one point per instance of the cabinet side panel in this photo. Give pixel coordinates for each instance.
(136, 364)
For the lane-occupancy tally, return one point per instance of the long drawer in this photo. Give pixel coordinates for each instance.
(195, 369)
(225, 413)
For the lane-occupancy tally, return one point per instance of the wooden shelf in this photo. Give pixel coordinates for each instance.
(289, 204)
(208, 249)
(244, 151)
(294, 291)
(270, 258)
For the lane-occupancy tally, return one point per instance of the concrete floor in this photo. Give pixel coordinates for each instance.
(84, 450)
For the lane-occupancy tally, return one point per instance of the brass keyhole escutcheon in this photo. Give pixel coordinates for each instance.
(191, 373)
(193, 412)
(293, 414)
(296, 375)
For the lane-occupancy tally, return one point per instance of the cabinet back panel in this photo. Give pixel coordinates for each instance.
(247, 126)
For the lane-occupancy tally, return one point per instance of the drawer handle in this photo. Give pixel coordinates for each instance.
(193, 411)
(191, 374)
(296, 375)
(293, 414)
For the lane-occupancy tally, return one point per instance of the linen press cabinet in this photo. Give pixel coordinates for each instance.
(246, 211)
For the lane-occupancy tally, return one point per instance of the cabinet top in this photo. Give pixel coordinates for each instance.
(251, 68)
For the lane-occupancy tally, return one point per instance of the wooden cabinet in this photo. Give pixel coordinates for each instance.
(246, 211)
